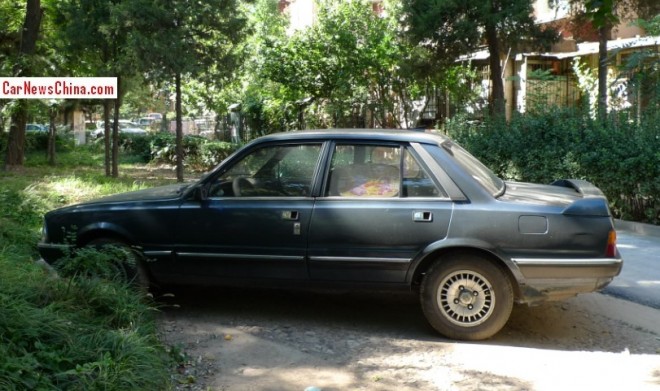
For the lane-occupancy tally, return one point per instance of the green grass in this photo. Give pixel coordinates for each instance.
(70, 333)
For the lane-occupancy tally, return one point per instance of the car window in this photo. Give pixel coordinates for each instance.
(416, 181)
(370, 170)
(477, 170)
(359, 170)
(271, 171)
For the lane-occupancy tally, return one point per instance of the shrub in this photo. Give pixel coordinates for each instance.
(621, 157)
(38, 141)
(161, 147)
(213, 152)
(137, 145)
(199, 153)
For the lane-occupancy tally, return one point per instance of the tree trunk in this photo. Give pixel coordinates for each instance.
(52, 137)
(496, 106)
(604, 33)
(16, 142)
(30, 33)
(115, 132)
(179, 130)
(106, 136)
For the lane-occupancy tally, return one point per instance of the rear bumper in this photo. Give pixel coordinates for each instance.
(558, 279)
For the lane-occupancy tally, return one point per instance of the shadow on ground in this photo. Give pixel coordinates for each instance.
(569, 325)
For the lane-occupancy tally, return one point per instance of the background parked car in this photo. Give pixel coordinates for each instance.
(125, 126)
(35, 128)
(145, 122)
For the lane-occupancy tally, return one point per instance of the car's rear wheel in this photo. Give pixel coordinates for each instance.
(466, 297)
(127, 263)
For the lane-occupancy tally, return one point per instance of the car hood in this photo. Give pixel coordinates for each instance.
(151, 194)
(540, 194)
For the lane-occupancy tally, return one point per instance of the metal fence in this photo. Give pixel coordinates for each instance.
(558, 91)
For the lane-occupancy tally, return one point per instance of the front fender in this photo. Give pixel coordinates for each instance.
(97, 229)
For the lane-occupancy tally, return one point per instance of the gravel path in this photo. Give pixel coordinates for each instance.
(239, 339)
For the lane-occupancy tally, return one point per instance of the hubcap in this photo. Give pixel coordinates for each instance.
(465, 298)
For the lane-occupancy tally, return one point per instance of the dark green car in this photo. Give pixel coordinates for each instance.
(362, 208)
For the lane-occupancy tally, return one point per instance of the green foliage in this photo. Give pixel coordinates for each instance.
(71, 332)
(620, 157)
(80, 157)
(75, 334)
(19, 208)
(140, 98)
(448, 29)
(641, 70)
(462, 82)
(199, 154)
(137, 145)
(4, 138)
(601, 12)
(214, 152)
(107, 263)
(38, 141)
(623, 159)
(652, 26)
(330, 73)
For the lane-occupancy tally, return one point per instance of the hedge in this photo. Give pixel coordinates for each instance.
(621, 156)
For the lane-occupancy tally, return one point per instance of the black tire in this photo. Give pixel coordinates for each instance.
(130, 262)
(466, 297)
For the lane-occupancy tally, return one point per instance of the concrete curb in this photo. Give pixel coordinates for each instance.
(638, 228)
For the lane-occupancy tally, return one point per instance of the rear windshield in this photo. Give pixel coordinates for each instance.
(482, 174)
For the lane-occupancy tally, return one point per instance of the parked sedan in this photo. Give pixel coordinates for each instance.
(125, 127)
(362, 208)
(36, 128)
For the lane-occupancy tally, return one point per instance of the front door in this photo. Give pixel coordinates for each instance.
(255, 220)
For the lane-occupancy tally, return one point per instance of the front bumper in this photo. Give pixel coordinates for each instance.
(558, 279)
(52, 252)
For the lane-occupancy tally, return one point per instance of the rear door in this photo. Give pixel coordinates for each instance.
(379, 209)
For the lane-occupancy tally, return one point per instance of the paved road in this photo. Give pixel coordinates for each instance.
(639, 280)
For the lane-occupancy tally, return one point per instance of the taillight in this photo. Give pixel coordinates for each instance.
(610, 252)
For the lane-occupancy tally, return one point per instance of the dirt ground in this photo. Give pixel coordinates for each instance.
(240, 339)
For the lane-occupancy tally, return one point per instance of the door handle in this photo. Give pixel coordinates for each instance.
(291, 215)
(422, 216)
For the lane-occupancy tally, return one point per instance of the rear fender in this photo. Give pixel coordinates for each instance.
(592, 207)
(440, 248)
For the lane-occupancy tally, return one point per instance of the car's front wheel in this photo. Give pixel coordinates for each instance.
(466, 297)
(127, 263)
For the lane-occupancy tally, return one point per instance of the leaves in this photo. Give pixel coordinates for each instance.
(348, 59)
(620, 157)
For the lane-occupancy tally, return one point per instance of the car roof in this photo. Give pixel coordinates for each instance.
(358, 134)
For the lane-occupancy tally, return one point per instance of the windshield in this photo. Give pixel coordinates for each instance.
(482, 174)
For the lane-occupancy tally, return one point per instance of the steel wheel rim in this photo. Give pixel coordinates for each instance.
(465, 298)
